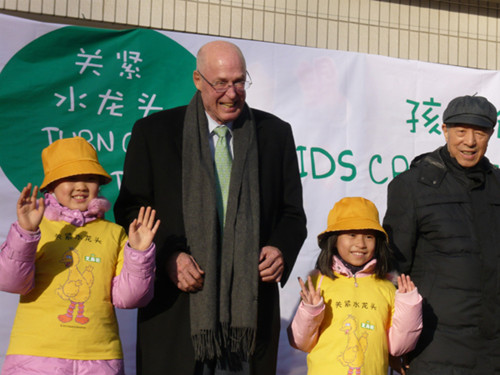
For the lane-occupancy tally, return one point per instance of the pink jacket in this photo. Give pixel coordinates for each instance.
(133, 287)
(402, 336)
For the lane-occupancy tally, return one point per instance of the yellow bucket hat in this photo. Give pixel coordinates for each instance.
(352, 213)
(70, 157)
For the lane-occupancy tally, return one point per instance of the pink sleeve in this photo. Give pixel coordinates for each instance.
(303, 332)
(134, 286)
(17, 260)
(406, 323)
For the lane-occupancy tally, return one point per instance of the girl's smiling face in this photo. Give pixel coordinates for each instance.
(76, 192)
(357, 247)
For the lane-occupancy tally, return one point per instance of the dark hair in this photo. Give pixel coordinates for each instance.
(328, 246)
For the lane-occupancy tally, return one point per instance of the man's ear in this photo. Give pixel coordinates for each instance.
(197, 80)
(445, 132)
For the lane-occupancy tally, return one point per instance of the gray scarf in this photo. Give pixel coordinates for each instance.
(224, 313)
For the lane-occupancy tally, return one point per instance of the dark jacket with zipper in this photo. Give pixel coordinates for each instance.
(444, 224)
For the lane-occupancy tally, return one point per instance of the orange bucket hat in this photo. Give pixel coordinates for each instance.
(352, 213)
(71, 157)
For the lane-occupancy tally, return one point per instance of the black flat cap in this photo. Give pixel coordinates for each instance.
(471, 110)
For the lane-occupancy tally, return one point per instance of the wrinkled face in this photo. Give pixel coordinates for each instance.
(221, 65)
(356, 247)
(76, 192)
(467, 143)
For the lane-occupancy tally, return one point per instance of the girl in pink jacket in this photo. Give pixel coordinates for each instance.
(72, 268)
(351, 317)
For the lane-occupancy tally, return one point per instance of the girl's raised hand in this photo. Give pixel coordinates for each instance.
(143, 229)
(309, 295)
(405, 284)
(29, 215)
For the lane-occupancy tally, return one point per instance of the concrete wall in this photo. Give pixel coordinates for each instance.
(463, 33)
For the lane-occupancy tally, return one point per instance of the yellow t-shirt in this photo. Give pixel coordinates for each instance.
(353, 333)
(69, 313)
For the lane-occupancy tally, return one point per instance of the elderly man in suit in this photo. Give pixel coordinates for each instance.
(224, 180)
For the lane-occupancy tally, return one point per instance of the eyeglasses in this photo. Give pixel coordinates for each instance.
(223, 86)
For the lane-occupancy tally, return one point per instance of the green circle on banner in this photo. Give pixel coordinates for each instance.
(94, 83)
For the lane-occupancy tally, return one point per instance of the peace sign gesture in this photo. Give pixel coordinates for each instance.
(309, 295)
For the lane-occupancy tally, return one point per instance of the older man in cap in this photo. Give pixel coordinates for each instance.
(443, 218)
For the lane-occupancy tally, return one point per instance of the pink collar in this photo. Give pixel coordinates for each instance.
(339, 267)
(57, 212)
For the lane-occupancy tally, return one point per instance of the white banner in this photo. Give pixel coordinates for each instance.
(358, 119)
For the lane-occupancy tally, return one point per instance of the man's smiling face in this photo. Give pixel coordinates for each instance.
(221, 62)
(467, 143)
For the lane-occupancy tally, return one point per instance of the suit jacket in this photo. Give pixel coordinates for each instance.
(153, 176)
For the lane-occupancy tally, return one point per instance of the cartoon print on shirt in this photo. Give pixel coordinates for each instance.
(77, 287)
(354, 354)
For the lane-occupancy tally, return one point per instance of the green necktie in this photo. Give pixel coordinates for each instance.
(223, 162)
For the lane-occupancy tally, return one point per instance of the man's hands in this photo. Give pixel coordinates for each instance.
(29, 215)
(271, 264)
(188, 276)
(185, 272)
(143, 229)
